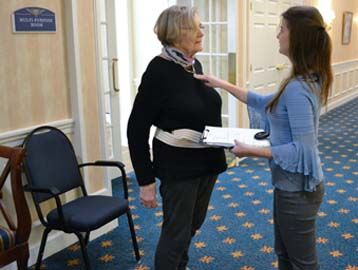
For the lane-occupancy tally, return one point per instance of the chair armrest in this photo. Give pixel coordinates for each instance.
(54, 192)
(110, 163)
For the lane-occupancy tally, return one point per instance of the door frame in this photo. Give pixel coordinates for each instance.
(109, 173)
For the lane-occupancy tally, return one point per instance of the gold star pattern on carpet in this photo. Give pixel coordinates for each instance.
(42, 267)
(139, 239)
(264, 211)
(74, 247)
(336, 253)
(256, 236)
(229, 241)
(321, 214)
(321, 240)
(142, 267)
(206, 259)
(159, 214)
(215, 218)
(256, 202)
(227, 196)
(73, 262)
(351, 267)
(347, 236)
(240, 214)
(248, 225)
(333, 224)
(246, 267)
(233, 205)
(106, 258)
(332, 202)
(221, 228)
(237, 254)
(200, 244)
(106, 243)
(266, 249)
(343, 211)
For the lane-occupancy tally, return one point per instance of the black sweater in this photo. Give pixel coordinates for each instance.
(171, 98)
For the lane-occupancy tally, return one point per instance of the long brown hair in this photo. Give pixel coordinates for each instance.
(310, 50)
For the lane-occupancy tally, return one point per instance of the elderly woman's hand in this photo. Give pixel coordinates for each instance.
(211, 81)
(147, 195)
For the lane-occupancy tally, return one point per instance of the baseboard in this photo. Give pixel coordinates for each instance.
(340, 100)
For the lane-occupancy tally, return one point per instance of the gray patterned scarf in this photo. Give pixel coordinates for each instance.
(178, 57)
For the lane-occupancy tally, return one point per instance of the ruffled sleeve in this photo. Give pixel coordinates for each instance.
(301, 155)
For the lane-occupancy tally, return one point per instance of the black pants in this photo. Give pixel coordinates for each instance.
(185, 205)
(295, 228)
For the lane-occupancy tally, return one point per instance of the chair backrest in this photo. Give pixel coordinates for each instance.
(13, 167)
(50, 162)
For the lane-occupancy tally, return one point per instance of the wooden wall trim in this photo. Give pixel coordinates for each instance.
(345, 84)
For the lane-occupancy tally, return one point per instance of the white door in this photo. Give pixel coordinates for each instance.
(267, 66)
(108, 79)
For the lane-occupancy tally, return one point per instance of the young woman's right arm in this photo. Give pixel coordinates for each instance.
(238, 92)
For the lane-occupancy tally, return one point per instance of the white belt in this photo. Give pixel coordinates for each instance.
(186, 138)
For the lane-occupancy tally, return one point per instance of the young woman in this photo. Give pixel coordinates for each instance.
(170, 98)
(292, 115)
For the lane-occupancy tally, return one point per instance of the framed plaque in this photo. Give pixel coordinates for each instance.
(347, 27)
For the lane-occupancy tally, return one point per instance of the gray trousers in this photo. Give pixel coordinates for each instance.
(185, 204)
(295, 216)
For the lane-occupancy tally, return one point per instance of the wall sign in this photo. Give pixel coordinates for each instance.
(33, 20)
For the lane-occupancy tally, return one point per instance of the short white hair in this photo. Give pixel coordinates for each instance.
(171, 21)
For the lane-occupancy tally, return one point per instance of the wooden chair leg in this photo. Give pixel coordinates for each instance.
(22, 263)
(23, 260)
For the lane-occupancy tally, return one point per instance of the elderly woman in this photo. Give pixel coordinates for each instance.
(170, 98)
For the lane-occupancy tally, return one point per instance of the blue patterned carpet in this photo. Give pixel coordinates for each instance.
(238, 230)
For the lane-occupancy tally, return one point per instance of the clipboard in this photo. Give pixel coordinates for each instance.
(224, 137)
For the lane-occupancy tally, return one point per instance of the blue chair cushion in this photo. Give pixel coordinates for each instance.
(89, 212)
(7, 238)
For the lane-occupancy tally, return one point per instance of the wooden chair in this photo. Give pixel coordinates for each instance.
(14, 239)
